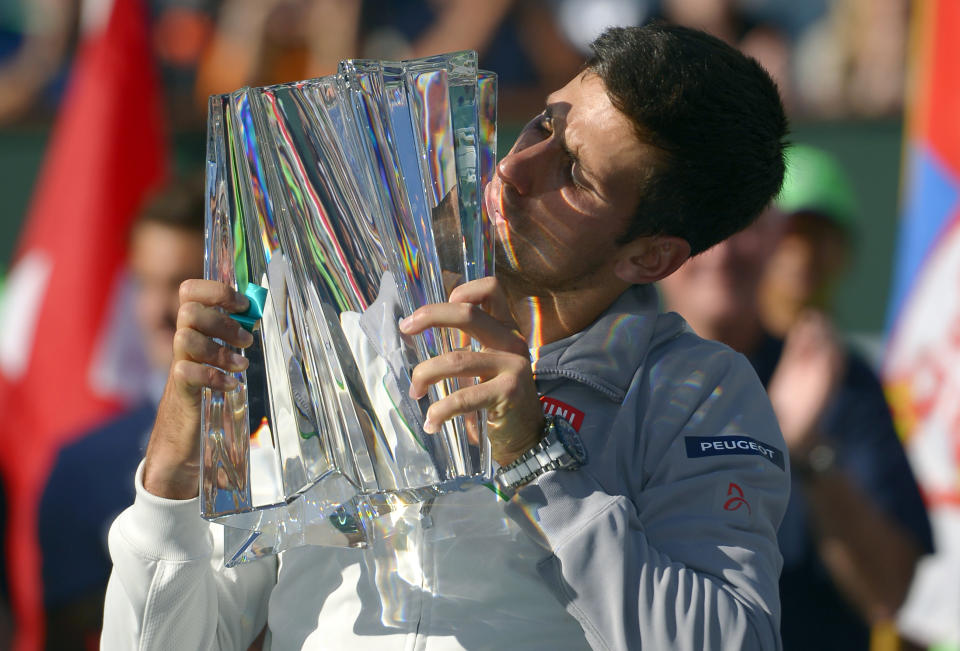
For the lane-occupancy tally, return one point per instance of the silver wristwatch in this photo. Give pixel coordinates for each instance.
(559, 449)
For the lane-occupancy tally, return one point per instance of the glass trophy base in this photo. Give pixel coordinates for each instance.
(316, 517)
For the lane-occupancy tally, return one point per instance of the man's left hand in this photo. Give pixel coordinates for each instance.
(506, 388)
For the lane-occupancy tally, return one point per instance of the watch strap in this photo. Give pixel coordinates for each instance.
(560, 448)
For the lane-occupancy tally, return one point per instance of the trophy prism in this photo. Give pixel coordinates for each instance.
(340, 205)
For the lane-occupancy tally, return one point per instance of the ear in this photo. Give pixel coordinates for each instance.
(648, 259)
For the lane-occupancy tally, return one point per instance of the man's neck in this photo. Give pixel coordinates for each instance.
(545, 317)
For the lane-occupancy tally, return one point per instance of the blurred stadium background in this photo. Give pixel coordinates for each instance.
(841, 65)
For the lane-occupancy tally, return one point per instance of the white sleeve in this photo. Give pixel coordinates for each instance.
(687, 558)
(169, 589)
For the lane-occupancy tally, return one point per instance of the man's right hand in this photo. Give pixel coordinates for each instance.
(172, 465)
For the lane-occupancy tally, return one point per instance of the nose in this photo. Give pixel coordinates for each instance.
(520, 167)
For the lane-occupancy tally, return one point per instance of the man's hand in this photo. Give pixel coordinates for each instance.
(506, 388)
(172, 465)
(810, 368)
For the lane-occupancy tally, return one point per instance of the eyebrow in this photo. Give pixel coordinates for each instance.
(551, 113)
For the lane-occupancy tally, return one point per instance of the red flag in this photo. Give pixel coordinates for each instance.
(106, 152)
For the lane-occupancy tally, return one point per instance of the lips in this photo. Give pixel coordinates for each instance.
(492, 197)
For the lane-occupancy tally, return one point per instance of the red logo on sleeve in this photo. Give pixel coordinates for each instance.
(737, 500)
(553, 407)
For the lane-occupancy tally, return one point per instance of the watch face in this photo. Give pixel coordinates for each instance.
(570, 440)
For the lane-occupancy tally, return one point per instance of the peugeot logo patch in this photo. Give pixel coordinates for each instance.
(711, 446)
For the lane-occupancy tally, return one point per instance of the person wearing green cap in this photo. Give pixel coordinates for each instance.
(818, 206)
(855, 525)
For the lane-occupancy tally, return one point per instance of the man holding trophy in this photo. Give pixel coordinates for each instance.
(642, 475)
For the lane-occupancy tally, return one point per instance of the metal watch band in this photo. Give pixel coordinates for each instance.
(559, 448)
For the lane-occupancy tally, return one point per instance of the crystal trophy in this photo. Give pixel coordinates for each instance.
(340, 205)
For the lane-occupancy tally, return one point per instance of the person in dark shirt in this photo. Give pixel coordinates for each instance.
(856, 524)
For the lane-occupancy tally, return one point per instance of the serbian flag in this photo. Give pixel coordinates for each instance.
(922, 365)
(64, 322)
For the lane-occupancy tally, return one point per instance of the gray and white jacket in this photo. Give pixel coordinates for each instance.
(666, 539)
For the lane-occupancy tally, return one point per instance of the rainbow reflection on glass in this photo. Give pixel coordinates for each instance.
(353, 199)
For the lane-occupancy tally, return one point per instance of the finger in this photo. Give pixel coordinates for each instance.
(213, 293)
(469, 318)
(499, 396)
(194, 346)
(191, 377)
(468, 399)
(463, 364)
(212, 323)
(489, 295)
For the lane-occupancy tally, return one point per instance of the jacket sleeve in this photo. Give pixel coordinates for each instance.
(169, 589)
(667, 538)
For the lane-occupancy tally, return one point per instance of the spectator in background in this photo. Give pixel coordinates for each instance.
(259, 42)
(816, 243)
(856, 525)
(181, 32)
(91, 479)
(853, 61)
(582, 20)
(516, 38)
(403, 29)
(728, 21)
(32, 60)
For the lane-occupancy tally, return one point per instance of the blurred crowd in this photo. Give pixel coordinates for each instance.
(832, 58)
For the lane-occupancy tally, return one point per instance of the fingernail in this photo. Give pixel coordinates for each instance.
(429, 426)
(245, 337)
(405, 323)
(238, 362)
(231, 383)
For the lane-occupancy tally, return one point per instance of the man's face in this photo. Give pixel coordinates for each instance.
(161, 258)
(567, 190)
(719, 287)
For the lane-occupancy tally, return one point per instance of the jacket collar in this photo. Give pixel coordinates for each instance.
(608, 353)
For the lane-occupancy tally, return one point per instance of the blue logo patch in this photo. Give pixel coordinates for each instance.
(711, 446)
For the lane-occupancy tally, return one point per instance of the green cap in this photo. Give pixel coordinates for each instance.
(814, 181)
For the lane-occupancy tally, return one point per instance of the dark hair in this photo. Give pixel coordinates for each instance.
(177, 204)
(715, 116)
